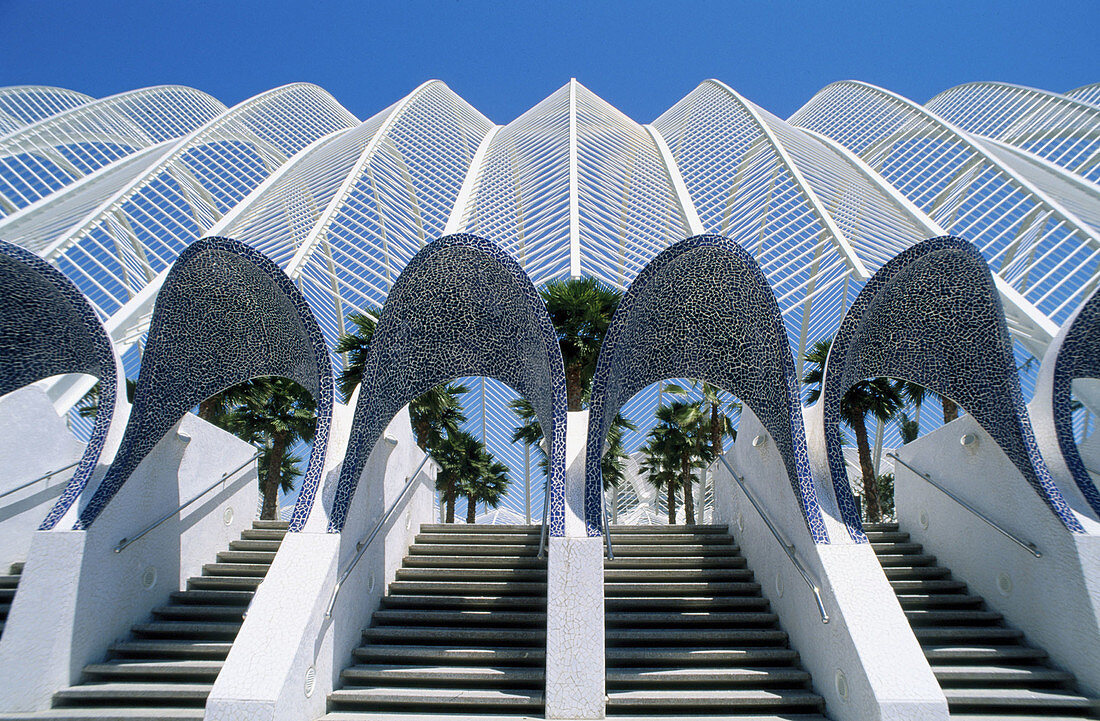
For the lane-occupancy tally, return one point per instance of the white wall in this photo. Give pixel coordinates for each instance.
(1054, 599)
(865, 661)
(77, 595)
(285, 632)
(34, 441)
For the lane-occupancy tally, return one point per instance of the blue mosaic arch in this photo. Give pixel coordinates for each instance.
(1074, 353)
(225, 314)
(932, 316)
(461, 307)
(47, 328)
(702, 309)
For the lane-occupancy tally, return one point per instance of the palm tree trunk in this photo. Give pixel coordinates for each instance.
(950, 409)
(271, 487)
(450, 499)
(573, 390)
(671, 503)
(870, 491)
(471, 509)
(685, 483)
(715, 431)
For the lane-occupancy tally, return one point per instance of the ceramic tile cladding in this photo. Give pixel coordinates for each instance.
(703, 309)
(48, 328)
(1078, 356)
(933, 316)
(461, 307)
(225, 314)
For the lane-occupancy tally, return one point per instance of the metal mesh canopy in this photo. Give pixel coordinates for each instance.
(110, 191)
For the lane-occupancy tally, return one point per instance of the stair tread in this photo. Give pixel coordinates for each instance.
(123, 690)
(438, 695)
(717, 696)
(150, 668)
(449, 674)
(706, 674)
(141, 713)
(1017, 696)
(1007, 673)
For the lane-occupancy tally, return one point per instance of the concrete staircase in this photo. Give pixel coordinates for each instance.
(985, 667)
(165, 670)
(8, 586)
(688, 631)
(462, 630)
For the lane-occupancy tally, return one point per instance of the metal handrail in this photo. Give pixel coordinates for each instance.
(36, 480)
(1026, 545)
(361, 546)
(127, 541)
(788, 548)
(545, 519)
(606, 527)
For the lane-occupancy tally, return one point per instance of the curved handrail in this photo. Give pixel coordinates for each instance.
(788, 548)
(361, 546)
(36, 480)
(127, 541)
(545, 519)
(606, 527)
(1026, 545)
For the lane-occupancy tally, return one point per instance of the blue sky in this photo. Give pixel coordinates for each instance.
(504, 57)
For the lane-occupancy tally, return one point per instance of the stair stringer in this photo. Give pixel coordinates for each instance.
(865, 661)
(77, 595)
(1054, 599)
(285, 632)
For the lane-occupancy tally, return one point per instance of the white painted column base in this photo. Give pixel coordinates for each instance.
(575, 670)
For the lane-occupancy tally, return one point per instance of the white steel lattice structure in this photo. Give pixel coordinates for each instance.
(111, 190)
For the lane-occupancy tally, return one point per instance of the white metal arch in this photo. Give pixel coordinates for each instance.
(42, 157)
(1064, 130)
(23, 104)
(1086, 93)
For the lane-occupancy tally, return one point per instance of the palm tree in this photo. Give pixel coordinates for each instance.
(879, 397)
(683, 435)
(289, 469)
(276, 411)
(721, 425)
(659, 474)
(460, 458)
(354, 344)
(908, 427)
(581, 310)
(89, 404)
(489, 486)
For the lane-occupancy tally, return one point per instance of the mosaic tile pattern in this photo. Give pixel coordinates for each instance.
(47, 328)
(461, 307)
(225, 314)
(1076, 355)
(932, 316)
(703, 309)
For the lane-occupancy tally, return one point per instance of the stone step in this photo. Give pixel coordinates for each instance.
(236, 569)
(180, 694)
(896, 548)
(262, 557)
(212, 598)
(465, 602)
(927, 586)
(1016, 699)
(646, 576)
(687, 618)
(940, 600)
(462, 619)
(271, 525)
(696, 656)
(999, 675)
(223, 583)
(973, 653)
(484, 549)
(476, 528)
(679, 550)
(441, 561)
(195, 612)
(436, 676)
(670, 539)
(441, 602)
(673, 562)
(114, 713)
(456, 636)
(714, 528)
(905, 560)
(472, 574)
(478, 538)
(914, 573)
(920, 616)
(262, 534)
(397, 715)
(496, 656)
(187, 629)
(471, 699)
(887, 537)
(686, 603)
(682, 589)
(245, 545)
(121, 669)
(879, 527)
(690, 637)
(9, 581)
(726, 699)
(959, 634)
(7, 594)
(662, 677)
(474, 588)
(170, 649)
